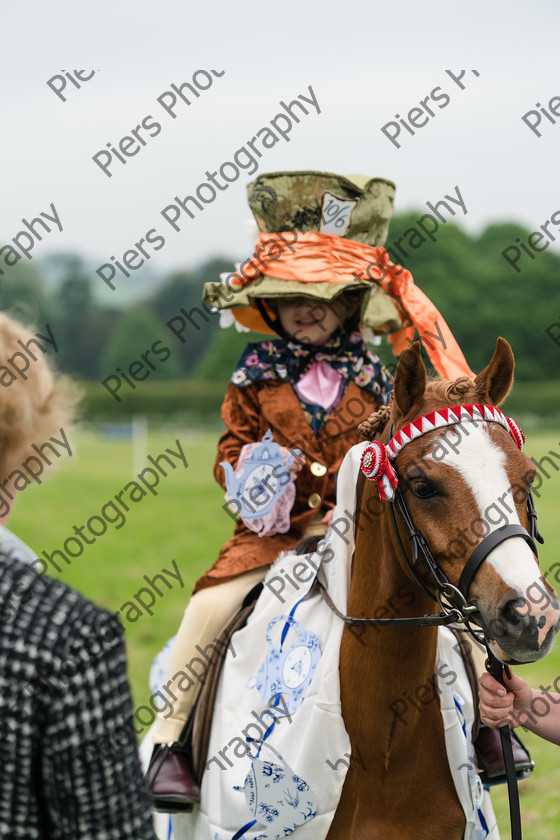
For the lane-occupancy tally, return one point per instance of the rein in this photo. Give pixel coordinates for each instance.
(496, 669)
(452, 600)
(419, 621)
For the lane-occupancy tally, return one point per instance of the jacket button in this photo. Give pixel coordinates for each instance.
(318, 469)
(314, 501)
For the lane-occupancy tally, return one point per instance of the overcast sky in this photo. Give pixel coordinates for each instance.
(365, 61)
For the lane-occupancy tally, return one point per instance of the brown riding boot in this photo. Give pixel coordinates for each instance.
(171, 780)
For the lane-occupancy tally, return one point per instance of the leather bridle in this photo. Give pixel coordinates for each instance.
(453, 600)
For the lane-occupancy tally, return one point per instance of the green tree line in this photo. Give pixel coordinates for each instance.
(476, 290)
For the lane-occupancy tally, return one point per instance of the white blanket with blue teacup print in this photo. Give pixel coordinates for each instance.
(279, 751)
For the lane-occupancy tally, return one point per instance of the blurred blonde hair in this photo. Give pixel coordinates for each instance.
(31, 410)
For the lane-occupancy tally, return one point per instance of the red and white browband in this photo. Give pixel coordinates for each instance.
(376, 458)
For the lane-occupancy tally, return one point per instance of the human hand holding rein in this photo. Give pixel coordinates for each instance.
(518, 704)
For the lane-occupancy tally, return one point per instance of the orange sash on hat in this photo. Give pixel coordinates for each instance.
(323, 258)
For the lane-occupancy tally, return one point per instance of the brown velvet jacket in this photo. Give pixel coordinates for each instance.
(248, 412)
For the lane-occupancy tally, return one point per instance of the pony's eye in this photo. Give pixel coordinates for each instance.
(422, 488)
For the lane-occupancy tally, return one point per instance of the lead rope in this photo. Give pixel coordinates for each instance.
(496, 669)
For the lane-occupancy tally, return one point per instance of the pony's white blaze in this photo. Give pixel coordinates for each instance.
(480, 462)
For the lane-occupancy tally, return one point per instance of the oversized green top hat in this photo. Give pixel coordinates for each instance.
(320, 234)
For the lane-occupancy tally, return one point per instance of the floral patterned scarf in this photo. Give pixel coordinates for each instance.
(288, 361)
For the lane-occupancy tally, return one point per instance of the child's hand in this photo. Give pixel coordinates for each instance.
(496, 704)
(297, 463)
(327, 518)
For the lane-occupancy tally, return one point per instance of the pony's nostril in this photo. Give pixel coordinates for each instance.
(514, 612)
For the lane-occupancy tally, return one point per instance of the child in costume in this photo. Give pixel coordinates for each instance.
(318, 272)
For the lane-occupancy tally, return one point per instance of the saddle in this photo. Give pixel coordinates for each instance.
(195, 737)
(175, 771)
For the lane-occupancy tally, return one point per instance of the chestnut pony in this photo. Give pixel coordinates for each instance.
(401, 788)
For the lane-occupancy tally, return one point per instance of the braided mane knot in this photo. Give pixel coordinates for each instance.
(460, 387)
(375, 423)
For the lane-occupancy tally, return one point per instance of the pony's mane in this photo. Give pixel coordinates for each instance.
(439, 393)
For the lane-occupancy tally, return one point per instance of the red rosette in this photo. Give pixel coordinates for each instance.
(374, 460)
(376, 466)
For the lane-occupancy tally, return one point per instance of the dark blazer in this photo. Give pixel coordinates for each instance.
(64, 693)
(248, 412)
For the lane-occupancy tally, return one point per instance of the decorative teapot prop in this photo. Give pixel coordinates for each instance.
(265, 478)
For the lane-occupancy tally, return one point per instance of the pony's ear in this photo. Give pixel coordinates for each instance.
(494, 382)
(410, 379)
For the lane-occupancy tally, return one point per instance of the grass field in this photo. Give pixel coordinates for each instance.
(185, 522)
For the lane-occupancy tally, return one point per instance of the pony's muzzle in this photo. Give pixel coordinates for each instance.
(524, 630)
